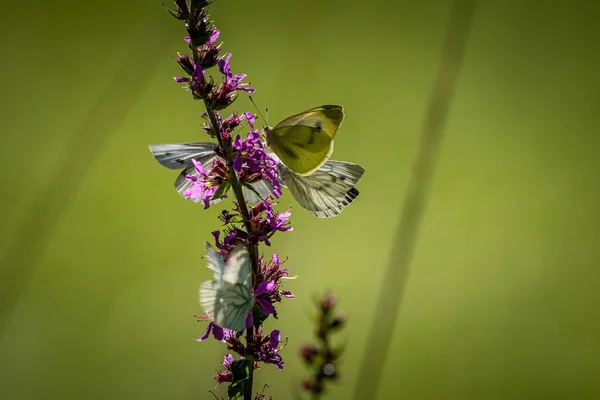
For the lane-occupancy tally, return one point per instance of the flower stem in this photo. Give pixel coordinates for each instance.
(252, 248)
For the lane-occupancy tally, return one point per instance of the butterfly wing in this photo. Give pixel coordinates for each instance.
(228, 304)
(263, 189)
(326, 191)
(215, 262)
(328, 118)
(304, 141)
(177, 156)
(237, 268)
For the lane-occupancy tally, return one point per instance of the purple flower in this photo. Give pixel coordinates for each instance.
(213, 37)
(232, 82)
(204, 184)
(226, 93)
(266, 221)
(233, 237)
(263, 294)
(267, 287)
(225, 376)
(252, 163)
(186, 63)
(269, 349)
(220, 334)
(198, 85)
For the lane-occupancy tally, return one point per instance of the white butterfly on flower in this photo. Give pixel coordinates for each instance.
(228, 298)
(324, 193)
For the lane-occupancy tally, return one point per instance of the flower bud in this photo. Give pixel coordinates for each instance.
(309, 352)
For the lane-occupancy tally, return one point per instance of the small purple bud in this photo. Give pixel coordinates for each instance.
(309, 352)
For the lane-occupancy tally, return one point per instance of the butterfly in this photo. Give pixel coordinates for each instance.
(228, 298)
(324, 193)
(304, 142)
(178, 156)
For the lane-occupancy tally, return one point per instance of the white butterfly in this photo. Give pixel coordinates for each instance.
(228, 298)
(178, 156)
(324, 193)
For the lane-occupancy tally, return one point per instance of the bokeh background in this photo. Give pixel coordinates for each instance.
(101, 259)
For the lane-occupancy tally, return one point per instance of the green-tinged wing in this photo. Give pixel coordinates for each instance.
(177, 156)
(303, 149)
(262, 189)
(327, 191)
(327, 118)
(237, 267)
(304, 141)
(228, 304)
(215, 262)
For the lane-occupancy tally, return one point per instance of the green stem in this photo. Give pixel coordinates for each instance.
(243, 207)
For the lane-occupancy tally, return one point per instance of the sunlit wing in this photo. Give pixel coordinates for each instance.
(215, 262)
(178, 156)
(237, 267)
(304, 141)
(327, 191)
(227, 304)
(327, 118)
(263, 189)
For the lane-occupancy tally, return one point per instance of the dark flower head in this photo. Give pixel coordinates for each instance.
(186, 63)
(309, 352)
(233, 237)
(327, 303)
(198, 84)
(181, 12)
(225, 94)
(312, 386)
(207, 55)
(267, 288)
(225, 376)
(268, 348)
(199, 27)
(338, 322)
(265, 221)
(229, 124)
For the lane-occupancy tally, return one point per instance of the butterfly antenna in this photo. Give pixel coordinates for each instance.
(259, 113)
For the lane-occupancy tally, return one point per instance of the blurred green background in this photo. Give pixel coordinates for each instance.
(101, 259)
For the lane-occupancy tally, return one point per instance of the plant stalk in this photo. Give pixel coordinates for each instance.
(243, 207)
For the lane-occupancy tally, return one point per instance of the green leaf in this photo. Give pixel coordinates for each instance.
(238, 219)
(173, 13)
(241, 371)
(222, 190)
(259, 317)
(235, 391)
